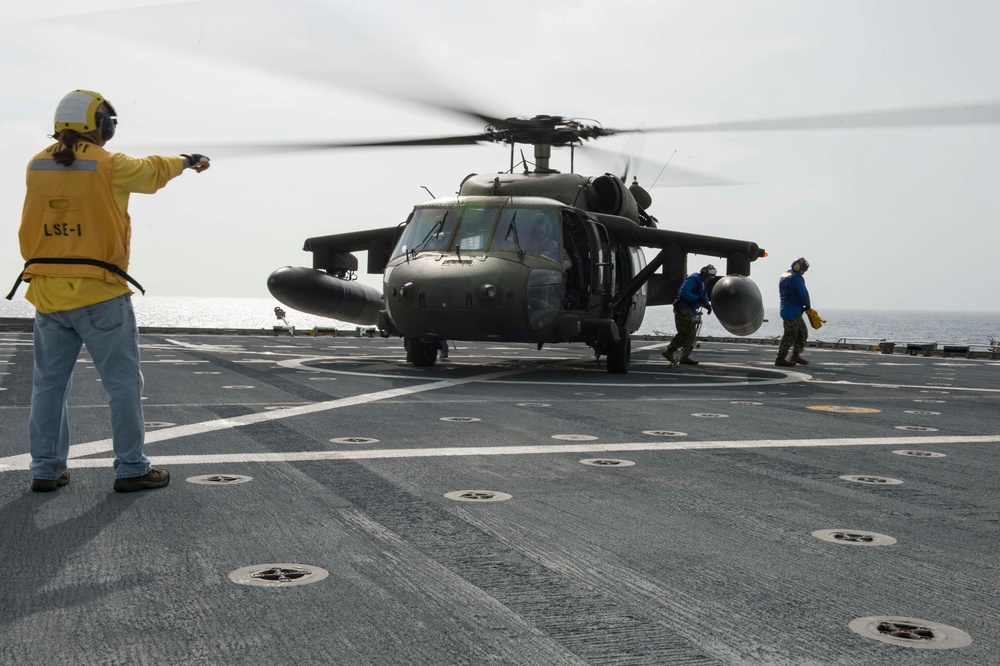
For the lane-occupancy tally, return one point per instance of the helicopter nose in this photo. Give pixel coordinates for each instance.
(489, 298)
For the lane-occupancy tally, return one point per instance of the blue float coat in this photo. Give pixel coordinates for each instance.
(794, 295)
(693, 293)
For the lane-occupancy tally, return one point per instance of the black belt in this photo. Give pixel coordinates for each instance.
(63, 260)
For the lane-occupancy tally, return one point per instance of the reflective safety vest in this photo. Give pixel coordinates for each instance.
(70, 224)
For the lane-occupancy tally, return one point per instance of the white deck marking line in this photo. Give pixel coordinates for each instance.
(102, 445)
(382, 454)
(787, 378)
(204, 347)
(936, 387)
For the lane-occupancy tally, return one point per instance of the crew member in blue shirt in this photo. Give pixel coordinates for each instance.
(794, 302)
(692, 295)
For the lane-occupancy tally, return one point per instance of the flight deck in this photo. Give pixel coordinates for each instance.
(331, 504)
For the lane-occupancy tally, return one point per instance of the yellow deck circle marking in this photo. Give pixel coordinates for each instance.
(842, 409)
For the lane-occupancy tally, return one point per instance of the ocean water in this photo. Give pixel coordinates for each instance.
(861, 325)
(852, 325)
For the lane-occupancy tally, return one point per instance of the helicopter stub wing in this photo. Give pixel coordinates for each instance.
(352, 241)
(739, 253)
(331, 252)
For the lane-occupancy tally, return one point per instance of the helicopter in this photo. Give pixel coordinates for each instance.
(542, 256)
(536, 256)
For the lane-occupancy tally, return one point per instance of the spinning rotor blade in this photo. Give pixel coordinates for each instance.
(631, 155)
(980, 113)
(670, 176)
(968, 114)
(359, 51)
(252, 149)
(361, 54)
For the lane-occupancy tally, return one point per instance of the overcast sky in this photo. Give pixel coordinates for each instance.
(902, 218)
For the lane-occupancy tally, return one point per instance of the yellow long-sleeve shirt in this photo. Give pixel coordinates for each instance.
(83, 212)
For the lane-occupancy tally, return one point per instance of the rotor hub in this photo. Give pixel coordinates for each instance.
(544, 130)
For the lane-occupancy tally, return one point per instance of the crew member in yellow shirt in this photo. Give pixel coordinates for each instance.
(75, 235)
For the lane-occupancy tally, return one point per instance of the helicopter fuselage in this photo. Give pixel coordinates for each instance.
(512, 269)
(533, 257)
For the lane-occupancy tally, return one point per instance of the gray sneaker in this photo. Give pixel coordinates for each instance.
(154, 478)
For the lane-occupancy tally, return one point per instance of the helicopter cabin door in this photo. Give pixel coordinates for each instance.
(580, 244)
(601, 261)
(590, 275)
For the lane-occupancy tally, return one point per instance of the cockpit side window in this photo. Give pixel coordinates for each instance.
(542, 235)
(531, 230)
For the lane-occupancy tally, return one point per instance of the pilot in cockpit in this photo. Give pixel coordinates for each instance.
(544, 239)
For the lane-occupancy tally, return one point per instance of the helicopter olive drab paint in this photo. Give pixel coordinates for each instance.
(540, 257)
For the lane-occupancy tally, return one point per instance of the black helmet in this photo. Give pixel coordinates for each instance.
(708, 272)
(800, 265)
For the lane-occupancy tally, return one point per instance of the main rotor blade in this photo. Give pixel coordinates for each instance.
(669, 175)
(978, 113)
(359, 54)
(252, 149)
(467, 140)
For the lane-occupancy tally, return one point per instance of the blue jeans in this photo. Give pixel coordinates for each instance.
(112, 338)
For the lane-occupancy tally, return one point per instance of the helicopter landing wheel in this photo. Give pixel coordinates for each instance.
(620, 354)
(421, 354)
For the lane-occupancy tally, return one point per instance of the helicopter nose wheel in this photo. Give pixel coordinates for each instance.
(620, 353)
(421, 354)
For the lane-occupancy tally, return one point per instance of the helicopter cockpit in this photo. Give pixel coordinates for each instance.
(471, 268)
(472, 229)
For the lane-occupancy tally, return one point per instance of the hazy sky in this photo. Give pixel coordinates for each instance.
(901, 218)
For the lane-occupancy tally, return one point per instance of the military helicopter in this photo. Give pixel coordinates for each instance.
(540, 256)
(537, 256)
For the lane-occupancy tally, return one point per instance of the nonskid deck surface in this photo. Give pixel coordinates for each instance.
(329, 503)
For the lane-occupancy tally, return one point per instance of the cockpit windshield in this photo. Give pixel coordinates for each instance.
(428, 229)
(475, 228)
(479, 228)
